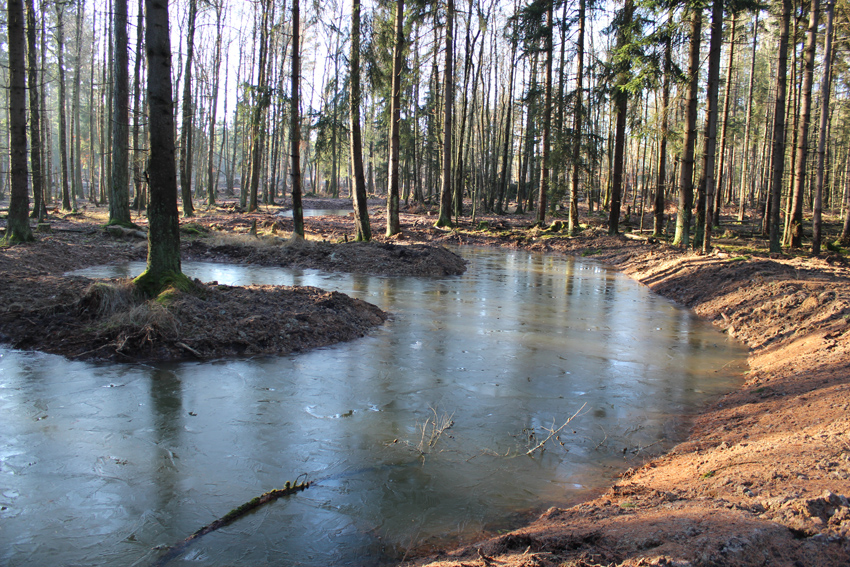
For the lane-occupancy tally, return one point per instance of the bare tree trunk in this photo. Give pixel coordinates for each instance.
(188, 118)
(363, 231)
(803, 127)
(545, 166)
(163, 266)
(661, 185)
(138, 155)
(119, 201)
(75, 105)
(573, 222)
(826, 85)
(778, 149)
(17, 224)
(747, 154)
(708, 164)
(212, 174)
(445, 218)
(507, 143)
(686, 170)
(63, 135)
(721, 176)
(393, 226)
(35, 116)
(295, 124)
(620, 102)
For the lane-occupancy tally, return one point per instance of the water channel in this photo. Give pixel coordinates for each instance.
(102, 463)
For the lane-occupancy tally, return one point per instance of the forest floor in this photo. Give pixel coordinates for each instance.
(763, 478)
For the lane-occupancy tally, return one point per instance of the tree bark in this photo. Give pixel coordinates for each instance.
(186, 128)
(17, 225)
(545, 166)
(778, 151)
(393, 226)
(803, 127)
(620, 103)
(212, 174)
(747, 153)
(710, 155)
(119, 198)
(826, 85)
(661, 185)
(573, 222)
(77, 183)
(686, 170)
(63, 134)
(163, 265)
(295, 124)
(138, 154)
(363, 231)
(39, 209)
(445, 218)
(724, 143)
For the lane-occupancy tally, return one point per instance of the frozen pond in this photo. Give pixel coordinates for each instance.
(102, 463)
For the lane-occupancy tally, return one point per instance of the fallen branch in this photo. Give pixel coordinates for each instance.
(270, 496)
(190, 349)
(554, 432)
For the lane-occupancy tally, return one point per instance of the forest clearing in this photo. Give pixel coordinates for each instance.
(762, 477)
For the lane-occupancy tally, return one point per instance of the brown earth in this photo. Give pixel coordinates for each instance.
(762, 479)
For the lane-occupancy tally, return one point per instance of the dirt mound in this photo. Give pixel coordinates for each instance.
(103, 320)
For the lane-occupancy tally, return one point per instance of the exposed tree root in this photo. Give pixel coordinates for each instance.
(177, 550)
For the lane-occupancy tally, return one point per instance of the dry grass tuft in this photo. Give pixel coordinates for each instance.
(106, 299)
(148, 316)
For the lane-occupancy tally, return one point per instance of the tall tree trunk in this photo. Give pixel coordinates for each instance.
(709, 158)
(47, 162)
(747, 152)
(63, 134)
(138, 154)
(258, 132)
(17, 223)
(661, 185)
(721, 176)
(573, 224)
(507, 143)
(445, 218)
(75, 104)
(778, 148)
(620, 101)
(119, 201)
(212, 175)
(686, 170)
(460, 147)
(393, 226)
(295, 123)
(545, 166)
(163, 266)
(188, 118)
(35, 116)
(825, 87)
(803, 127)
(363, 231)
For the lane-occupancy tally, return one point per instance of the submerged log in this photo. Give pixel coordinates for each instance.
(270, 496)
